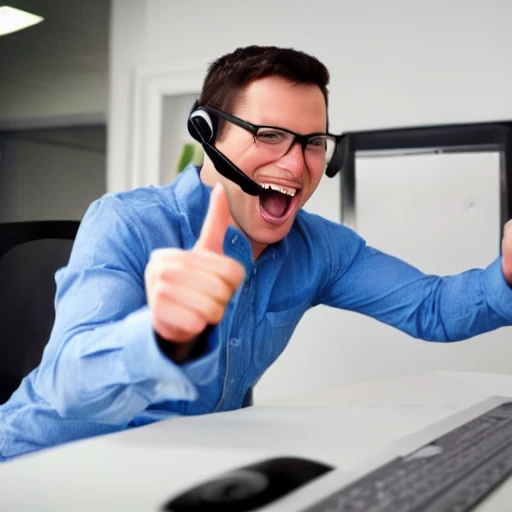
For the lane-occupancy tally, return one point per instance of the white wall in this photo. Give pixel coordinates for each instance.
(394, 63)
(43, 181)
(127, 52)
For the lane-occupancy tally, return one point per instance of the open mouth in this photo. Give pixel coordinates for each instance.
(277, 202)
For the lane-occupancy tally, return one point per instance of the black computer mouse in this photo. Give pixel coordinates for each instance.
(248, 487)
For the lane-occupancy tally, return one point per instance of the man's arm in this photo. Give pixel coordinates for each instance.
(103, 362)
(429, 307)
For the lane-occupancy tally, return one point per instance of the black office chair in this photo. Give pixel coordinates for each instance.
(30, 254)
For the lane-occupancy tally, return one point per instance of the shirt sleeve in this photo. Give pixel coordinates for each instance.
(102, 362)
(433, 308)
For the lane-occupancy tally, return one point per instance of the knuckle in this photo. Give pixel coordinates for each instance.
(158, 274)
(216, 313)
(161, 327)
(236, 271)
(164, 330)
(182, 328)
(159, 291)
(158, 310)
(161, 259)
(233, 267)
(165, 253)
(193, 323)
(225, 292)
(241, 272)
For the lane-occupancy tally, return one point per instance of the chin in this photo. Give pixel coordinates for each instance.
(274, 234)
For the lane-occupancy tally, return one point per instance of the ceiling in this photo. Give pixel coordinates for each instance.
(72, 41)
(73, 36)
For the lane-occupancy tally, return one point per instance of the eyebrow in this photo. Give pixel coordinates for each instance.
(278, 125)
(242, 118)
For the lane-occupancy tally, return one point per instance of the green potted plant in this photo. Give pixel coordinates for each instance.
(190, 154)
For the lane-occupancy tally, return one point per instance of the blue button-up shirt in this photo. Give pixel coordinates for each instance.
(102, 370)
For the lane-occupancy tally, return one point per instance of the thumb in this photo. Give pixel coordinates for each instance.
(216, 223)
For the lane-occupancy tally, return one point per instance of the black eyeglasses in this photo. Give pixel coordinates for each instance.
(318, 148)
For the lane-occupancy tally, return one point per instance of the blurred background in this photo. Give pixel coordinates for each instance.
(54, 89)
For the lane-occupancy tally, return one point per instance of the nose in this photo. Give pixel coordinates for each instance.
(293, 161)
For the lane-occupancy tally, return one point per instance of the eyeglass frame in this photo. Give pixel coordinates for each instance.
(253, 130)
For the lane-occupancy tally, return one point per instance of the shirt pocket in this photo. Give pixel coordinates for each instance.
(277, 328)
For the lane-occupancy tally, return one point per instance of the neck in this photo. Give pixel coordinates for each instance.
(209, 177)
(257, 249)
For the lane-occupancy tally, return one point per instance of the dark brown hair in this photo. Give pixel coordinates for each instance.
(229, 75)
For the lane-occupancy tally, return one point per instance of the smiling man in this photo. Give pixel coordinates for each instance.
(176, 299)
(288, 172)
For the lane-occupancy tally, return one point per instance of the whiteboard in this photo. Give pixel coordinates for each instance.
(437, 211)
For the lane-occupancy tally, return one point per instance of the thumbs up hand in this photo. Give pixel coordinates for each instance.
(189, 290)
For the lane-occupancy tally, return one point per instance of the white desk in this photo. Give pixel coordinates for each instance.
(143, 468)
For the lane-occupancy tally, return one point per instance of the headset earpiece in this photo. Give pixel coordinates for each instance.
(204, 130)
(338, 157)
(202, 126)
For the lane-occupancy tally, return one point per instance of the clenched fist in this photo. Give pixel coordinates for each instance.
(188, 290)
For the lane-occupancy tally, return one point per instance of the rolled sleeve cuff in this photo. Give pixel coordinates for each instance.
(148, 366)
(203, 370)
(165, 379)
(497, 290)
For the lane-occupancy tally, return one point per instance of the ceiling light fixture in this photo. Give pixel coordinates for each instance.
(12, 19)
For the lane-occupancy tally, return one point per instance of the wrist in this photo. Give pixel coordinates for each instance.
(181, 352)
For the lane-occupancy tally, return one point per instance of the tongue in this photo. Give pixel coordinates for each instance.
(274, 203)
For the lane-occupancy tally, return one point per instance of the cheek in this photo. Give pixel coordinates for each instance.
(251, 160)
(234, 146)
(311, 180)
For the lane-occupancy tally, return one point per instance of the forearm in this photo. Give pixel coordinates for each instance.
(466, 305)
(425, 306)
(102, 362)
(110, 373)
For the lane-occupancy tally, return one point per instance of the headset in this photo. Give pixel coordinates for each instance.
(203, 129)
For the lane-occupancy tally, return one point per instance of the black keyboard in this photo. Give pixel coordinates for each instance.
(451, 474)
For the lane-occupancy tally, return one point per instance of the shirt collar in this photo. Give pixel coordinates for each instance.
(192, 198)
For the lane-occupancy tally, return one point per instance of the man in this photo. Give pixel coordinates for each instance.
(176, 299)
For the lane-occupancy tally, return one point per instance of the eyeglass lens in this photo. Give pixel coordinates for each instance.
(318, 149)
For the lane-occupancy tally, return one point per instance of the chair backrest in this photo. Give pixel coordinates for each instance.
(30, 254)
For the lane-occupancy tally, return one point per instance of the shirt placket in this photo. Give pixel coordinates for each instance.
(240, 327)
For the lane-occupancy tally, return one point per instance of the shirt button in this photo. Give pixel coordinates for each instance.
(234, 342)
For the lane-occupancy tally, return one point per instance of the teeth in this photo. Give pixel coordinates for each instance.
(287, 191)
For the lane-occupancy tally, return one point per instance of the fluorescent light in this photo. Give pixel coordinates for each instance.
(12, 19)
